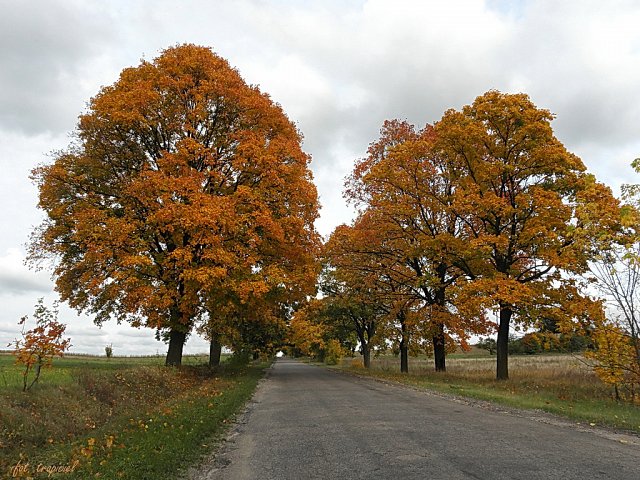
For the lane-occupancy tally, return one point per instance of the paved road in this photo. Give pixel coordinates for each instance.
(307, 422)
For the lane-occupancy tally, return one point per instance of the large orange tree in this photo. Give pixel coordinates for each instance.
(529, 208)
(182, 182)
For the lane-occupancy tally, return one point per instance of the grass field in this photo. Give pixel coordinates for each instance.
(126, 418)
(560, 384)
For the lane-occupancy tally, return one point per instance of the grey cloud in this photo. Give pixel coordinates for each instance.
(416, 66)
(581, 61)
(45, 47)
(339, 69)
(19, 283)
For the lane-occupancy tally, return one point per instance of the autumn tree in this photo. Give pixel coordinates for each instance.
(368, 280)
(256, 325)
(351, 289)
(408, 191)
(616, 271)
(306, 332)
(529, 208)
(617, 274)
(260, 331)
(37, 347)
(182, 181)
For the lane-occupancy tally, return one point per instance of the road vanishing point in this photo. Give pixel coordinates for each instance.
(308, 422)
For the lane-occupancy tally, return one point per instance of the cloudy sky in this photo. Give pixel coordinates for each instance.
(339, 68)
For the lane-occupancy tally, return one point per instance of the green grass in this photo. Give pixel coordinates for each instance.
(63, 369)
(120, 418)
(560, 384)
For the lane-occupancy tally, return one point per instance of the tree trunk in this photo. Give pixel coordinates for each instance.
(176, 344)
(439, 353)
(256, 355)
(404, 349)
(215, 349)
(366, 355)
(502, 346)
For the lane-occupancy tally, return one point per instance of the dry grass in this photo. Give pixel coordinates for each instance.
(567, 375)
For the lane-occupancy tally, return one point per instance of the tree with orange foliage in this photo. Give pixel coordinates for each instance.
(408, 192)
(306, 331)
(529, 209)
(182, 182)
(38, 346)
(373, 280)
(353, 289)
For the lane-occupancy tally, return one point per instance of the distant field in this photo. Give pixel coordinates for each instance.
(124, 417)
(560, 384)
(63, 368)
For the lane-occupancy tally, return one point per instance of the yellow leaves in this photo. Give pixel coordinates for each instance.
(93, 447)
(88, 450)
(616, 358)
(304, 333)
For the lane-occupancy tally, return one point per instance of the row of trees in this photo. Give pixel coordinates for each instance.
(484, 211)
(185, 202)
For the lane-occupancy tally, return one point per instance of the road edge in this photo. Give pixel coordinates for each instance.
(611, 433)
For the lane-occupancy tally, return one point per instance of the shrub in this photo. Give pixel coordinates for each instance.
(333, 352)
(488, 344)
(240, 358)
(38, 346)
(357, 363)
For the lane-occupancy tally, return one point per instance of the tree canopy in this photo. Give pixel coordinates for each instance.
(183, 187)
(528, 206)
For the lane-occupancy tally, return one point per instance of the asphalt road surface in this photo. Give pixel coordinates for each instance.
(307, 422)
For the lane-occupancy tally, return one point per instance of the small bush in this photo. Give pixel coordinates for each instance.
(239, 358)
(333, 352)
(37, 347)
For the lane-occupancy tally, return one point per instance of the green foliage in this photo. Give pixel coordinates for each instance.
(108, 350)
(546, 342)
(333, 352)
(240, 358)
(488, 344)
(543, 341)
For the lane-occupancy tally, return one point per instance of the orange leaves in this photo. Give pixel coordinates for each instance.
(305, 332)
(184, 180)
(38, 346)
(528, 204)
(486, 209)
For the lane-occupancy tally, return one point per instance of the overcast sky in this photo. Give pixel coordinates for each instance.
(339, 68)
